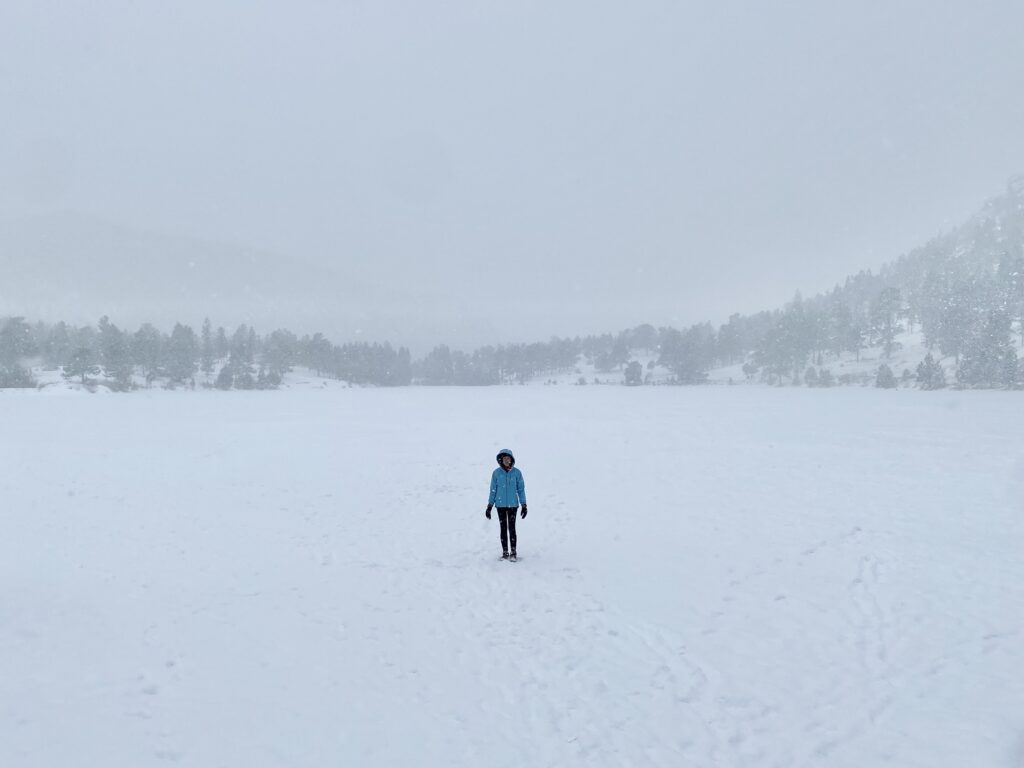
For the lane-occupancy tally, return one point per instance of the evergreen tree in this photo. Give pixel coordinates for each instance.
(930, 374)
(932, 304)
(688, 355)
(57, 349)
(14, 376)
(319, 354)
(563, 353)
(839, 319)
(402, 375)
(182, 354)
(225, 379)
(773, 355)
(281, 352)
(241, 358)
(884, 318)
(82, 364)
(242, 371)
(16, 341)
(1010, 375)
(855, 338)
(207, 354)
(40, 335)
(785, 348)
(816, 325)
(437, 367)
(241, 350)
(730, 341)
(115, 355)
(147, 348)
(885, 378)
(634, 374)
(957, 321)
(989, 359)
(1015, 294)
(643, 337)
(221, 345)
(267, 379)
(251, 344)
(615, 357)
(16, 345)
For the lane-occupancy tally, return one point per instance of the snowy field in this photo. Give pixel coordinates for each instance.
(711, 576)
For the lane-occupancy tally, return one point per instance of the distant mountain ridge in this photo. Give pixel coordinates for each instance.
(963, 291)
(954, 305)
(992, 237)
(76, 268)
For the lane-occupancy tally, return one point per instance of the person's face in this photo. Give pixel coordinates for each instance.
(506, 460)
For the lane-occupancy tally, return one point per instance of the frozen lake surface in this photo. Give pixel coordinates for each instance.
(710, 577)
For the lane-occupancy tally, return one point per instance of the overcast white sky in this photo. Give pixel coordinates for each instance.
(520, 169)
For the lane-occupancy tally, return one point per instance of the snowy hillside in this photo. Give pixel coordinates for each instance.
(861, 369)
(710, 576)
(847, 369)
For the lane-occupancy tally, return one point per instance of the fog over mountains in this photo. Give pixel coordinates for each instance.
(77, 268)
(959, 296)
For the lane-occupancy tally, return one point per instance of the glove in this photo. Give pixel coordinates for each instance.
(523, 513)
(488, 511)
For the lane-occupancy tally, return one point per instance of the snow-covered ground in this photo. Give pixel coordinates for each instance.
(711, 576)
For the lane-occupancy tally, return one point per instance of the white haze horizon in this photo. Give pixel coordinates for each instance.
(469, 175)
(336, 311)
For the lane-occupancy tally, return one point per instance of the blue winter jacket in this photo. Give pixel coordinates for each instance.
(507, 486)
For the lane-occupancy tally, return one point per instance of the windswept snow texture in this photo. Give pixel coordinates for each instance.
(710, 577)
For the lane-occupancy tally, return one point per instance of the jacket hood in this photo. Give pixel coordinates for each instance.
(505, 452)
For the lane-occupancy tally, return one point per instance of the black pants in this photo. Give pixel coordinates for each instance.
(507, 518)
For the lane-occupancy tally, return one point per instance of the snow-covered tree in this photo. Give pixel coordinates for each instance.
(147, 347)
(115, 354)
(885, 378)
(207, 352)
(225, 379)
(634, 374)
(930, 374)
(281, 350)
(16, 341)
(989, 358)
(182, 355)
(885, 309)
(82, 364)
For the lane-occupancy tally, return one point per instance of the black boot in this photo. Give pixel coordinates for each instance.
(504, 555)
(513, 557)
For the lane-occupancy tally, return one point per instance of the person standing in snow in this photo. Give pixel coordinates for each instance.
(508, 491)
